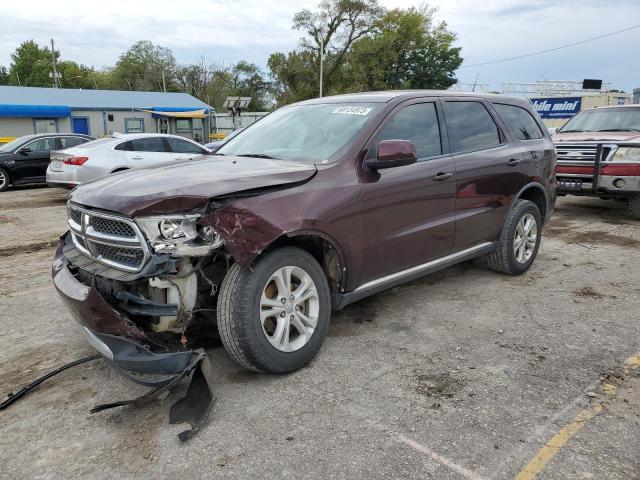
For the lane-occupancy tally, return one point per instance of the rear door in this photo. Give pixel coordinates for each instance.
(149, 152)
(408, 212)
(490, 170)
(32, 159)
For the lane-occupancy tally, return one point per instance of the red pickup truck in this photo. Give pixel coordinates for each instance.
(598, 154)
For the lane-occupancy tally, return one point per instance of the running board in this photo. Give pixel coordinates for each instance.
(341, 300)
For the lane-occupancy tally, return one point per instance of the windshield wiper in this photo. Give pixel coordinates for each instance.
(258, 155)
(618, 130)
(571, 131)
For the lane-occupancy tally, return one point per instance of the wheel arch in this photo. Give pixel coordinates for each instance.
(322, 247)
(534, 192)
(120, 169)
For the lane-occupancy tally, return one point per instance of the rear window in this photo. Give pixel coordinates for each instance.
(470, 127)
(519, 121)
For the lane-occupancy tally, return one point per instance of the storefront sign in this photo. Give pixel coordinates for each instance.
(557, 107)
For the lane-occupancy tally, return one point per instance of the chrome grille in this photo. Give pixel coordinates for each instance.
(576, 153)
(108, 239)
(112, 227)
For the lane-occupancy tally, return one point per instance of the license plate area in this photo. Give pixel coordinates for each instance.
(570, 183)
(56, 164)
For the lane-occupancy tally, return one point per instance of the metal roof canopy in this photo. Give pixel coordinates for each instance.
(97, 99)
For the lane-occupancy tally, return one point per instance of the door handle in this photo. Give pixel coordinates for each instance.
(513, 162)
(442, 176)
(136, 158)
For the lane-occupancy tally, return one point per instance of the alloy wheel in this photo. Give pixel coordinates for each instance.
(525, 238)
(289, 308)
(3, 180)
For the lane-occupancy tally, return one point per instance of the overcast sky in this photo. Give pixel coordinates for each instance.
(223, 31)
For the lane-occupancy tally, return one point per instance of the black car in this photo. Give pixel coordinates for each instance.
(25, 159)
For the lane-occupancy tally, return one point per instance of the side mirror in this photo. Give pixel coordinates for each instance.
(393, 153)
(24, 151)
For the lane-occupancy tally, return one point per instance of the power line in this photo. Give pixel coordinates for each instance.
(508, 59)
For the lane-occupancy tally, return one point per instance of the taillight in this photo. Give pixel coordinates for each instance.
(75, 160)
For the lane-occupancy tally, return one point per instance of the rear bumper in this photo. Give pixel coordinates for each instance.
(113, 335)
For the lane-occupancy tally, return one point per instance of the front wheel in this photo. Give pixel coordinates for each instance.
(274, 317)
(4, 180)
(519, 240)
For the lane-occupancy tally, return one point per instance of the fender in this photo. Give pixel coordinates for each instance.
(518, 195)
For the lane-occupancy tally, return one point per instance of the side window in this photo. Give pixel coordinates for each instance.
(470, 127)
(125, 146)
(68, 142)
(42, 145)
(182, 146)
(149, 144)
(520, 123)
(418, 123)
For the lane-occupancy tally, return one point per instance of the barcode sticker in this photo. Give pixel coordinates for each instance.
(352, 110)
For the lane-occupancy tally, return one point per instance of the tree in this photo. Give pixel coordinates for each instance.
(142, 68)
(406, 49)
(31, 65)
(337, 24)
(4, 75)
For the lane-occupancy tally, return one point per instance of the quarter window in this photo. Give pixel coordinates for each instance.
(520, 123)
(470, 127)
(68, 142)
(418, 123)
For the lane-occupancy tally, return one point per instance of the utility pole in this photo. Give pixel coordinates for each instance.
(475, 82)
(321, 60)
(56, 84)
(164, 84)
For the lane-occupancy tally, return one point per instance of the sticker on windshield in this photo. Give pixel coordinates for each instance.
(352, 110)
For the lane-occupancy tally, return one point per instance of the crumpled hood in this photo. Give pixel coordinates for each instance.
(188, 186)
(597, 137)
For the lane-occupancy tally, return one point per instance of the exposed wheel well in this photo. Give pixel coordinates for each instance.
(322, 250)
(537, 196)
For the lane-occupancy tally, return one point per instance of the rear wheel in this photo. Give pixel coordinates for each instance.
(633, 208)
(519, 241)
(274, 317)
(4, 180)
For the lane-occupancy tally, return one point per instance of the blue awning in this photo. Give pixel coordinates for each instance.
(46, 111)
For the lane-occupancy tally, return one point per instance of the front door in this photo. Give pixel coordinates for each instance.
(409, 211)
(32, 159)
(80, 125)
(489, 169)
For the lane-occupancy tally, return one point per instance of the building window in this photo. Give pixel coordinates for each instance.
(183, 126)
(134, 125)
(45, 125)
(621, 100)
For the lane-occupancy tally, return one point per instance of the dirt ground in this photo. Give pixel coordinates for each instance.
(463, 374)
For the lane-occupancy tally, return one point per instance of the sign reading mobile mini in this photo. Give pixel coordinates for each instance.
(558, 107)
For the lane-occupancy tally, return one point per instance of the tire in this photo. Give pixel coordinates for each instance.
(5, 180)
(246, 298)
(633, 207)
(504, 259)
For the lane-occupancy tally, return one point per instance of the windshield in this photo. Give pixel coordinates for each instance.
(13, 144)
(625, 119)
(310, 133)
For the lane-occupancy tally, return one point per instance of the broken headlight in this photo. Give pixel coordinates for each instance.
(179, 235)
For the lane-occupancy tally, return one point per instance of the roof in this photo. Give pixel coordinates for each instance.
(78, 98)
(386, 96)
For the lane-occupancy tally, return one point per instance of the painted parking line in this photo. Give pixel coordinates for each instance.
(560, 439)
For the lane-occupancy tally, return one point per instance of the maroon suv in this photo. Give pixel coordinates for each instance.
(316, 206)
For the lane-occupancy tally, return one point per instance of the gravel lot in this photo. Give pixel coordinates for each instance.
(463, 374)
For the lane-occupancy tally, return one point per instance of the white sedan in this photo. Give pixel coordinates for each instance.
(117, 153)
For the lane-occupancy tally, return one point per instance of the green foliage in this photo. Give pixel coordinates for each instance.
(142, 67)
(367, 48)
(31, 65)
(4, 76)
(404, 50)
